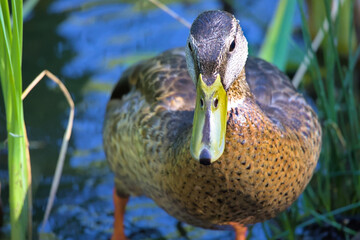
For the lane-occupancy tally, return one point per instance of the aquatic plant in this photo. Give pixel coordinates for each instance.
(11, 82)
(334, 191)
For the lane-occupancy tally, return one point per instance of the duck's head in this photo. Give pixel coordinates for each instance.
(216, 52)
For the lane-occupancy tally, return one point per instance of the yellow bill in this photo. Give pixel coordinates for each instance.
(209, 125)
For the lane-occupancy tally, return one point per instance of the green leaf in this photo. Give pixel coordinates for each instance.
(11, 82)
(276, 44)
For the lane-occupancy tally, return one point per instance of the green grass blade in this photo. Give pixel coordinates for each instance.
(16, 45)
(333, 223)
(11, 81)
(275, 46)
(5, 39)
(314, 67)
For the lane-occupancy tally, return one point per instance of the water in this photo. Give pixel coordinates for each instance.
(88, 44)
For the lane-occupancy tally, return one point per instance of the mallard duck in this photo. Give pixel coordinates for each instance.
(213, 136)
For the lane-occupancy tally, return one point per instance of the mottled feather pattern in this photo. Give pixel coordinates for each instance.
(273, 141)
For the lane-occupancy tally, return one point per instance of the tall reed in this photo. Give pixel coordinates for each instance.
(11, 37)
(334, 190)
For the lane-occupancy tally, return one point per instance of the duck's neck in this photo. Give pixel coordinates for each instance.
(239, 91)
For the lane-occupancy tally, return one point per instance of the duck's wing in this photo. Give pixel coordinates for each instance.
(150, 108)
(162, 80)
(267, 82)
(278, 98)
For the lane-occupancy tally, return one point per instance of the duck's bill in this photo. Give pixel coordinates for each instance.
(209, 125)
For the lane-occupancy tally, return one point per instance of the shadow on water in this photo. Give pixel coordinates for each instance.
(88, 44)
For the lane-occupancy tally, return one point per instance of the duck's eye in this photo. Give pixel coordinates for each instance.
(190, 48)
(232, 46)
(216, 102)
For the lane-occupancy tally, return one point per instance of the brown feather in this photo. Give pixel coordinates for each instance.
(273, 142)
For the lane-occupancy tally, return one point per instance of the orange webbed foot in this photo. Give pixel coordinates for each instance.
(240, 230)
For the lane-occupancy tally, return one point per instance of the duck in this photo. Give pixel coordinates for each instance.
(216, 138)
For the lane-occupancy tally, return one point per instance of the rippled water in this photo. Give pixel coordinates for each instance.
(88, 44)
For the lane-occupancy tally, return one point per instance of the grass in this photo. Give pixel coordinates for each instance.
(334, 190)
(275, 46)
(18, 152)
(11, 83)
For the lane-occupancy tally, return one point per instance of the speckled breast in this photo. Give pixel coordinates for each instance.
(262, 172)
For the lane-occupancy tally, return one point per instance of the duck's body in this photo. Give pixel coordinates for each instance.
(239, 145)
(272, 144)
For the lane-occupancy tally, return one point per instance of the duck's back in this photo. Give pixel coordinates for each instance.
(162, 80)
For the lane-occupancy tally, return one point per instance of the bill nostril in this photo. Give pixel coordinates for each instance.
(201, 102)
(216, 102)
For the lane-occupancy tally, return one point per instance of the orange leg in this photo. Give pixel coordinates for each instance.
(119, 204)
(240, 231)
